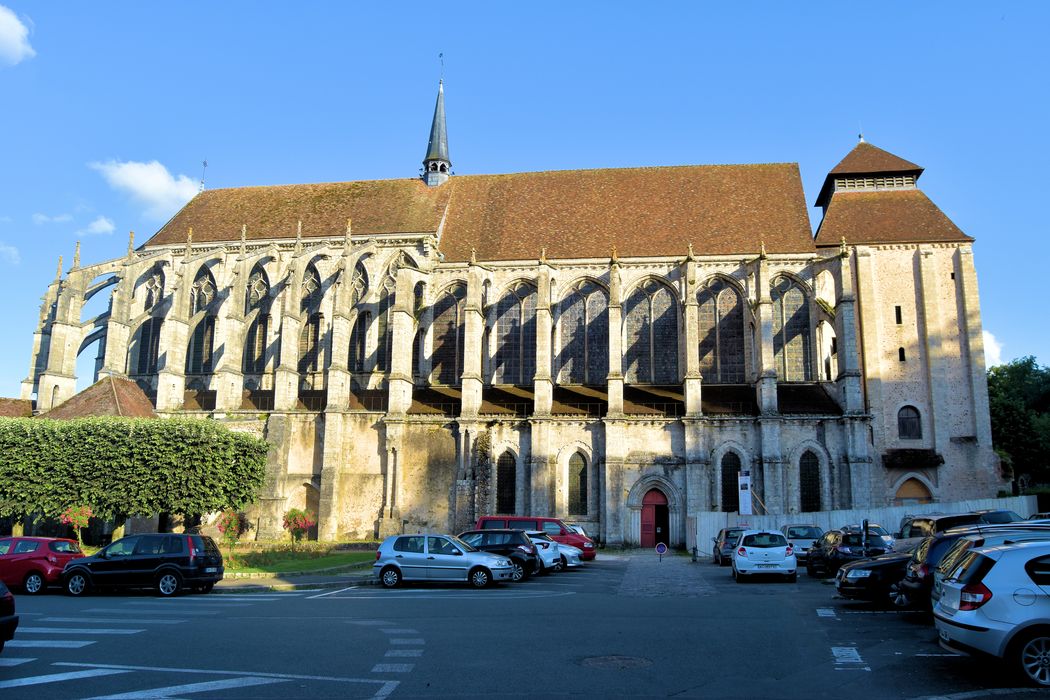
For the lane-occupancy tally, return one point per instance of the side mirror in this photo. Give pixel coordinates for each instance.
(457, 553)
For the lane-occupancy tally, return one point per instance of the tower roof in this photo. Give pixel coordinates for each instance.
(865, 159)
(437, 149)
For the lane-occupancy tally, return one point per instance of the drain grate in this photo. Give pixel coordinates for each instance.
(616, 663)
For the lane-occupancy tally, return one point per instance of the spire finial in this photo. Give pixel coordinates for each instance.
(299, 237)
(244, 239)
(690, 256)
(189, 241)
(58, 272)
(842, 247)
(543, 254)
(473, 256)
(615, 257)
(762, 249)
(346, 238)
(437, 167)
(76, 256)
(131, 243)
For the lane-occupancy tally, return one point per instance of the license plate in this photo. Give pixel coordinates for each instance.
(211, 570)
(944, 636)
(767, 566)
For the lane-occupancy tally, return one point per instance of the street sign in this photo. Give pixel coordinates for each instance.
(661, 549)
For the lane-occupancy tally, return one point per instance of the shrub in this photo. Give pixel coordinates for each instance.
(232, 525)
(78, 517)
(298, 522)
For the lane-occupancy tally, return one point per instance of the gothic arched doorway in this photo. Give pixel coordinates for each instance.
(655, 519)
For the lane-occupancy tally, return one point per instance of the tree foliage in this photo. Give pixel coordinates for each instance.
(1019, 400)
(126, 466)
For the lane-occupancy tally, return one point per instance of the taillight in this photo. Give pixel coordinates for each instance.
(923, 571)
(790, 550)
(974, 596)
(377, 555)
(193, 551)
(742, 551)
(526, 548)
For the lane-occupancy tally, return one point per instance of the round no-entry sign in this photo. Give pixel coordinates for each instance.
(661, 548)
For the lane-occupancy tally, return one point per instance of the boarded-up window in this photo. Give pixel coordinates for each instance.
(809, 482)
(791, 333)
(721, 318)
(515, 358)
(583, 323)
(651, 321)
(577, 485)
(506, 483)
(730, 492)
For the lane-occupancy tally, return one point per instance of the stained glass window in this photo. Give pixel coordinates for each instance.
(506, 483)
(791, 333)
(310, 344)
(384, 327)
(358, 338)
(515, 357)
(154, 289)
(577, 485)
(809, 482)
(257, 294)
(448, 335)
(721, 318)
(651, 321)
(311, 290)
(730, 487)
(255, 344)
(148, 346)
(202, 293)
(584, 329)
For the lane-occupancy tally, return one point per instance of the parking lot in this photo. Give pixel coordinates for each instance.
(625, 624)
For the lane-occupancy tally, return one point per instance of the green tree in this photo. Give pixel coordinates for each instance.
(1019, 401)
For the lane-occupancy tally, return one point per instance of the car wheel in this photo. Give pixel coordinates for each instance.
(390, 577)
(168, 584)
(1033, 657)
(561, 564)
(897, 595)
(519, 571)
(716, 559)
(77, 584)
(34, 583)
(480, 578)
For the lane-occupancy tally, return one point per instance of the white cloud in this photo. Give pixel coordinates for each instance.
(100, 225)
(14, 39)
(9, 254)
(993, 350)
(41, 219)
(150, 184)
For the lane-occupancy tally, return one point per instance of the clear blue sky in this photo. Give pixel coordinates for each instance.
(276, 93)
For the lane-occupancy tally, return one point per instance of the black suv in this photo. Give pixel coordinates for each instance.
(164, 562)
(513, 544)
(836, 547)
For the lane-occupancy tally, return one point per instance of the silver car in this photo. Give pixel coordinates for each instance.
(995, 601)
(802, 537)
(437, 558)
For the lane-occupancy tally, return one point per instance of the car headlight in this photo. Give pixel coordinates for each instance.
(506, 562)
(858, 573)
(588, 545)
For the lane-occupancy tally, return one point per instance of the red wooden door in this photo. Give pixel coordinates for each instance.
(653, 501)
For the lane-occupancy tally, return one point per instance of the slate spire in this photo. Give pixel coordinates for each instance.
(436, 164)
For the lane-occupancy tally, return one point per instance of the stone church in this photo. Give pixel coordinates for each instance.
(583, 344)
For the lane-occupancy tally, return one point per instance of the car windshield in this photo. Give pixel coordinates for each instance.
(733, 535)
(1000, 516)
(765, 539)
(872, 529)
(804, 532)
(855, 539)
(463, 545)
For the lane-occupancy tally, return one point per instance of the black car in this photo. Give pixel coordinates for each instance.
(725, 543)
(837, 547)
(8, 619)
(513, 544)
(164, 562)
(877, 580)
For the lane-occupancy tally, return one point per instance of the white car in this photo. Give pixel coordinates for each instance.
(764, 552)
(547, 550)
(995, 602)
(571, 557)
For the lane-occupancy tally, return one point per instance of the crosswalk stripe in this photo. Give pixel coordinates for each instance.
(74, 630)
(173, 691)
(403, 653)
(415, 641)
(57, 677)
(48, 643)
(129, 620)
(14, 661)
(392, 668)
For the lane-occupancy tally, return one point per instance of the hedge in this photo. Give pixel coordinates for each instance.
(126, 466)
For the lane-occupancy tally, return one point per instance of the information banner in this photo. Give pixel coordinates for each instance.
(744, 483)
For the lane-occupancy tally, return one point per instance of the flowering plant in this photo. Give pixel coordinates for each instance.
(232, 525)
(78, 517)
(298, 522)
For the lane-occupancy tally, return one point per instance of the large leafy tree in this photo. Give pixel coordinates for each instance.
(123, 466)
(1019, 399)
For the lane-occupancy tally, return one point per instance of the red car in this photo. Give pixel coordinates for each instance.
(558, 531)
(34, 563)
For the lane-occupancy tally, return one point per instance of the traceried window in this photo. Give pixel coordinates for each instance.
(506, 483)
(310, 344)
(147, 346)
(358, 284)
(385, 326)
(154, 289)
(909, 424)
(257, 294)
(515, 358)
(311, 291)
(651, 323)
(200, 354)
(358, 341)
(730, 488)
(583, 325)
(809, 482)
(448, 335)
(721, 315)
(255, 344)
(202, 293)
(577, 485)
(792, 340)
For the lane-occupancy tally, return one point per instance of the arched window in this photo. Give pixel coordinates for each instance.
(809, 482)
(257, 293)
(310, 344)
(255, 344)
(448, 335)
(358, 341)
(584, 328)
(358, 284)
(147, 347)
(154, 289)
(384, 326)
(506, 483)
(651, 322)
(730, 488)
(577, 485)
(909, 424)
(721, 315)
(199, 355)
(515, 357)
(791, 333)
(202, 293)
(311, 291)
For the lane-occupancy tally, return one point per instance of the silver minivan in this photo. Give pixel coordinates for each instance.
(437, 558)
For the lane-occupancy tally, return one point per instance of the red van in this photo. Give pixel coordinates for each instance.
(558, 531)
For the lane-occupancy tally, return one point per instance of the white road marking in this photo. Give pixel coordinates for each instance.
(459, 595)
(403, 640)
(75, 630)
(392, 668)
(939, 655)
(14, 661)
(192, 602)
(130, 620)
(848, 659)
(57, 677)
(322, 595)
(173, 691)
(825, 612)
(141, 610)
(401, 653)
(398, 630)
(48, 644)
(233, 597)
(369, 623)
(976, 694)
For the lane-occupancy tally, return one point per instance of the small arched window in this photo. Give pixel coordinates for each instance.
(809, 482)
(730, 492)
(577, 485)
(909, 424)
(506, 483)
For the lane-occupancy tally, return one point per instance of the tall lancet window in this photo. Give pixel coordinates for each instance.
(448, 335)
(385, 324)
(721, 316)
(154, 289)
(359, 331)
(514, 361)
(792, 339)
(583, 326)
(651, 324)
(200, 353)
(257, 313)
(311, 350)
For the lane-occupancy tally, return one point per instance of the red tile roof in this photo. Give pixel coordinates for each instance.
(720, 209)
(886, 216)
(865, 159)
(15, 408)
(109, 396)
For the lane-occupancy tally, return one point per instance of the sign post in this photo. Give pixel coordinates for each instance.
(661, 549)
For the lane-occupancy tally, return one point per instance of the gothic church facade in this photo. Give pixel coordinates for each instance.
(574, 343)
